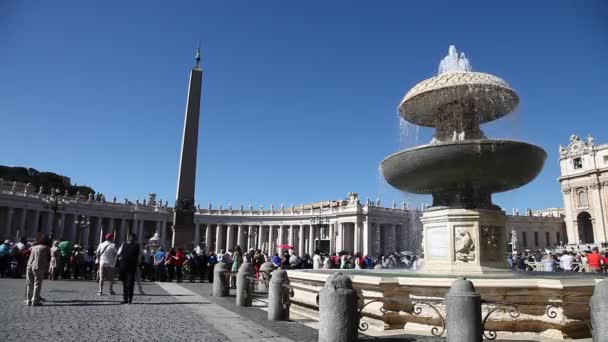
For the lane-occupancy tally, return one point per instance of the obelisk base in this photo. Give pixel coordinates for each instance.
(464, 241)
(183, 229)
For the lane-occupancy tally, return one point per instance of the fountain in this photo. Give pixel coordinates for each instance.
(464, 231)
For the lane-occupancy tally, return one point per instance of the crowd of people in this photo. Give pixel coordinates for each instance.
(46, 259)
(560, 260)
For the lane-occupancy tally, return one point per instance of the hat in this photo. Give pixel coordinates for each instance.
(109, 236)
(8, 242)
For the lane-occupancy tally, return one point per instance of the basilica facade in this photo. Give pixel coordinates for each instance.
(584, 185)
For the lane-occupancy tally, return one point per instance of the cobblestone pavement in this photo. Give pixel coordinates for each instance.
(74, 312)
(167, 312)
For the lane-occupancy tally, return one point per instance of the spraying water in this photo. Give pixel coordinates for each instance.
(454, 62)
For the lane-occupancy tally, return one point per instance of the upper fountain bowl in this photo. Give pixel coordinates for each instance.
(487, 96)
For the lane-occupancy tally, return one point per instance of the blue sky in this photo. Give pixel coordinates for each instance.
(299, 98)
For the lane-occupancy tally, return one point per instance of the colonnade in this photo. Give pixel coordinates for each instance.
(77, 227)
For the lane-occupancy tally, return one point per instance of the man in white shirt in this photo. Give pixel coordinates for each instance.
(566, 261)
(106, 258)
(317, 262)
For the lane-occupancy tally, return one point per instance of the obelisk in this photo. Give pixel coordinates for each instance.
(183, 219)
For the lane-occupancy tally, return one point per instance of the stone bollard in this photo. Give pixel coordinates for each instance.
(244, 285)
(338, 312)
(463, 312)
(220, 281)
(278, 297)
(598, 312)
(265, 270)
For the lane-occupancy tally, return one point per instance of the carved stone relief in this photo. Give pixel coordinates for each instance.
(464, 245)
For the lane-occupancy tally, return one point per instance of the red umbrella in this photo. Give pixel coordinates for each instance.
(285, 246)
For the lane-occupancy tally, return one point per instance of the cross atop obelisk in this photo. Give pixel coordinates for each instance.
(183, 219)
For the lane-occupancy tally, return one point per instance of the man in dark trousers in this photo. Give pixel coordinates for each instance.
(128, 257)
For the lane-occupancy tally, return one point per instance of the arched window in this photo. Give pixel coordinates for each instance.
(582, 199)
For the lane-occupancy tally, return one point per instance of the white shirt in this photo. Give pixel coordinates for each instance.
(109, 253)
(316, 262)
(566, 261)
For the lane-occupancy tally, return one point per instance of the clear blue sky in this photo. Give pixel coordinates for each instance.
(299, 98)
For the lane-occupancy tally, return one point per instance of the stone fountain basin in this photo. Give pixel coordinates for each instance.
(484, 95)
(551, 305)
(490, 165)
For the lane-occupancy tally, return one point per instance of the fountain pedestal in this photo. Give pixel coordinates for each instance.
(464, 240)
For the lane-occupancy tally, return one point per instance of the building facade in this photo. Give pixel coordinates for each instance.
(584, 185)
(331, 226)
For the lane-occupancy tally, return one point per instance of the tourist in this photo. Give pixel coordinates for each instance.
(326, 262)
(37, 266)
(65, 250)
(159, 265)
(53, 269)
(276, 260)
(201, 259)
(146, 264)
(170, 263)
(258, 260)
(566, 262)
(211, 261)
(89, 264)
(594, 260)
(221, 256)
(317, 261)
(180, 258)
(548, 262)
(78, 261)
(105, 257)
(359, 262)
(5, 258)
(128, 255)
(294, 261)
(237, 261)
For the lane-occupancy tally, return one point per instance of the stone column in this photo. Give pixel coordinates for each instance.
(249, 235)
(8, 222)
(49, 223)
(97, 237)
(197, 234)
(218, 239)
(301, 241)
(366, 239)
(311, 240)
(357, 237)
(73, 229)
(240, 238)
(290, 236)
(207, 238)
(332, 238)
(281, 238)
(60, 224)
(271, 249)
(22, 230)
(36, 223)
(122, 232)
(163, 233)
(229, 237)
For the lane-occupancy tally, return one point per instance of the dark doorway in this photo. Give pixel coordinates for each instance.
(585, 227)
(322, 245)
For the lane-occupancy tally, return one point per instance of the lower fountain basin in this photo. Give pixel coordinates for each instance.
(552, 305)
(464, 173)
